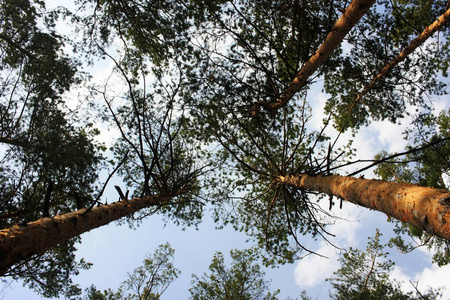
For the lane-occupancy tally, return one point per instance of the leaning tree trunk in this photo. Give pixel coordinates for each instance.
(20, 242)
(427, 33)
(343, 25)
(423, 207)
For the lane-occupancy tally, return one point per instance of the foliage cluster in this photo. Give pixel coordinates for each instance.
(184, 98)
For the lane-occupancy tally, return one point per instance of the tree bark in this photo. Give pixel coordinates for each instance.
(423, 207)
(14, 142)
(20, 242)
(343, 25)
(428, 32)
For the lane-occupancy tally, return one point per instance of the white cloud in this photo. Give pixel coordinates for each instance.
(434, 277)
(440, 103)
(403, 278)
(313, 269)
(390, 136)
(317, 107)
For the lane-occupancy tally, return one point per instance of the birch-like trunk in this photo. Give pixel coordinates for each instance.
(423, 207)
(343, 25)
(20, 242)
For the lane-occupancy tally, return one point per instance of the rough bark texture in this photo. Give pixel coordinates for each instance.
(343, 25)
(428, 32)
(423, 207)
(20, 242)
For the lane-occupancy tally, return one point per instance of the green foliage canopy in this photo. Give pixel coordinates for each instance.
(48, 164)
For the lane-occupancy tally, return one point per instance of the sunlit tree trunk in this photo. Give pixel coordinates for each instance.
(428, 32)
(423, 207)
(343, 25)
(20, 242)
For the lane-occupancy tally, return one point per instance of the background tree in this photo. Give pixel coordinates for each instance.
(243, 280)
(147, 282)
(49, 162)
(365, 275)
(362, 275)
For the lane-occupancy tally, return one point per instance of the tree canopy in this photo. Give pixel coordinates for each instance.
(147, 282)
(209, 104)
(50, 161)
(244, 279)
(362, 275)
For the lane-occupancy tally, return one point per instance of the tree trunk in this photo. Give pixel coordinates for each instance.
(343, 25)
(14, 142)
(428, 32)
(20, 242)
(425, 208)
